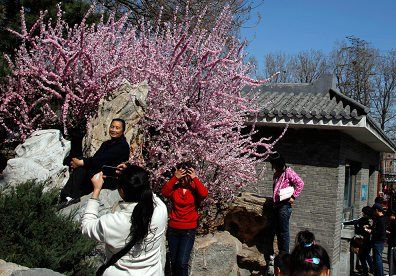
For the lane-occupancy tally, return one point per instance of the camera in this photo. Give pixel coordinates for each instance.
(109, 171)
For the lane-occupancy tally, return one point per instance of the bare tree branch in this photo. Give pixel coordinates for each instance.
(149, 10)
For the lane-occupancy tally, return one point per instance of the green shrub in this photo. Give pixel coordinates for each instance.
(33, 234)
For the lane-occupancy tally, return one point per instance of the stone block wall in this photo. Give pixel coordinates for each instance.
(367, 158)
(313, 154)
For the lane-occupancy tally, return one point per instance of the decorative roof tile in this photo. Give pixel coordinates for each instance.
(281, 100)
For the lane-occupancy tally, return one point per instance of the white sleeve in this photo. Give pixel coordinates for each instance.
(91, 225)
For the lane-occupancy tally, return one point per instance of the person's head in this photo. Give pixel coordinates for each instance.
(184, 181)
(281, 264)
(379, 199)
(117, 128)
(277, 162)
(305, 238)
(309, 261)
(367, 211)
(133, 183)
(378, 209)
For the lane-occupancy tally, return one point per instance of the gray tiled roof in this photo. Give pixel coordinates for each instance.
(304, 101)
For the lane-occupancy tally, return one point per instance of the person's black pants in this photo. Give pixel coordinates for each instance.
(365, 258)
(282, 213)
(79, 183)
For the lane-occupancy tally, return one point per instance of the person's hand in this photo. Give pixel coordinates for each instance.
(97, 183)
(180, 173)
(121, 167)
(291, 200)
(191, 173)
(75, 162)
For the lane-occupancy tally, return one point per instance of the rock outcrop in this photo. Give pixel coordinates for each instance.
(128, 103)
(36, 272)
(11, 269)
(6, 268)
(249, 220)
(215, 254)
(39, 158)
(108, 202)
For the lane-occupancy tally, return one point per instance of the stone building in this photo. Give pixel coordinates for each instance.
(334, 145)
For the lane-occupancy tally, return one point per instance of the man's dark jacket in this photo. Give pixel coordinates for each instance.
(379, 229)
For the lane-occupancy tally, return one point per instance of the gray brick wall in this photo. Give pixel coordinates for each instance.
(319, 157)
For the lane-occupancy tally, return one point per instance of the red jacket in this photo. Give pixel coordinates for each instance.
(184, 214)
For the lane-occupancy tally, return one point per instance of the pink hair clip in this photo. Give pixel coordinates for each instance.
(313, 261)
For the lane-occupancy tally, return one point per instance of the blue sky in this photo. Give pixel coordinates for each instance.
(291, 26)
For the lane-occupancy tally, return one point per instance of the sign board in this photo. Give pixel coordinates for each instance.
(364, 192)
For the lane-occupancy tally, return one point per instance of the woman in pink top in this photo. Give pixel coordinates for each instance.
(284, 177)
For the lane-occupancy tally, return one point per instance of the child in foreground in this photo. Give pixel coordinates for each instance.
(310, 260)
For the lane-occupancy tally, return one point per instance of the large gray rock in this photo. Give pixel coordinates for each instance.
(108, 202)
(6, 269)
(251, 258)
(128, 103)
(249, 218)
(215, 254)
(36, 272)
(39, 158)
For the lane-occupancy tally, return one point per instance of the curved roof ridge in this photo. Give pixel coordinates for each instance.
(351, 102)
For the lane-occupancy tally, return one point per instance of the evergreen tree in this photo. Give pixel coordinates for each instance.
(33, 234)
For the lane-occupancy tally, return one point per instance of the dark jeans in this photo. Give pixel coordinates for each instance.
(180, 242)
(378, 248)
(392, 259)
(282, 213)
(79, 183)
(365, 258)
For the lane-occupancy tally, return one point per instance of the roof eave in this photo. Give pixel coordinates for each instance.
(363, 130)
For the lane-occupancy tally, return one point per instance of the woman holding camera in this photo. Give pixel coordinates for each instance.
(185, 191)
(134, 235)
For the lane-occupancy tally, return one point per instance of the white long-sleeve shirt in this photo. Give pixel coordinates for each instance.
(113, 229)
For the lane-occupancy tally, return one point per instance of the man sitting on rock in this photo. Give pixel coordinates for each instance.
(111, 153)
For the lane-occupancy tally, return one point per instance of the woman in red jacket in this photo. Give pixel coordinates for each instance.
(185, 192)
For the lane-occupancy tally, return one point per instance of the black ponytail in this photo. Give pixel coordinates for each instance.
(134, 182)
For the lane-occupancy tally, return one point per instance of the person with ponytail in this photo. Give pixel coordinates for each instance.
(134, 235)
(185, 192)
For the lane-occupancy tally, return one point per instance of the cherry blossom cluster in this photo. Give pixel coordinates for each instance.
(197, 104)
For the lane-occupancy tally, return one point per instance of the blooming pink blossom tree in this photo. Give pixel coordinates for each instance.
(195, 111)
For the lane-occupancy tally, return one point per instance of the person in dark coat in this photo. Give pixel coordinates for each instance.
(392, 242)
(364, 249)
(111, 153)
(378, 237)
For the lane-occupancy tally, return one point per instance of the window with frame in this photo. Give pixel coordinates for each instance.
(350, 190)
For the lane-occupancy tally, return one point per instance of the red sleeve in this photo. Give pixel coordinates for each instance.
(167, 189)
(199, 187)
